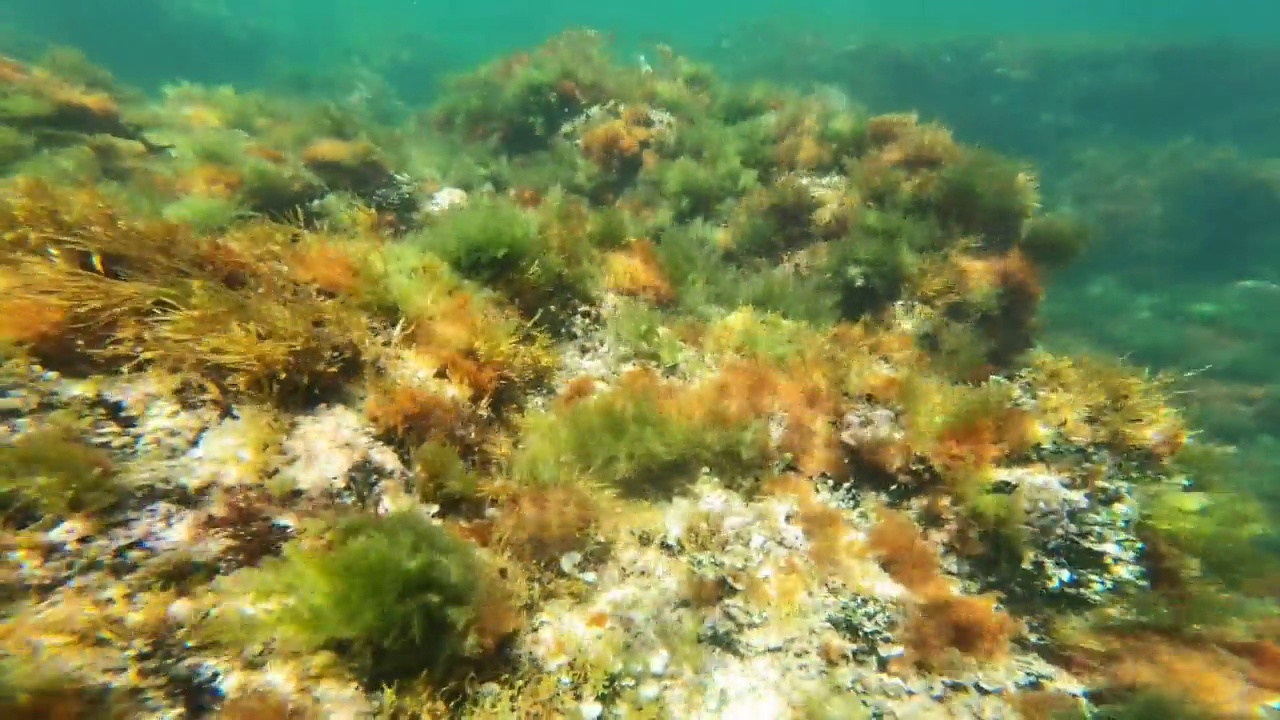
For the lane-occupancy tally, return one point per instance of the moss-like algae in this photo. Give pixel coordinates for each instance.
(395, 596)
(50, 474)
(643, 439)
(502, 246)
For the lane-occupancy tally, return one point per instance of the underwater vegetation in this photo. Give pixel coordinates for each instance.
(1180, 195)
(398, 594)
(582, 391)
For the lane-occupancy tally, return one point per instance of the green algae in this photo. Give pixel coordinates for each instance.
(396, 597)
(497, 244)
(34, 691)
(441, 475)
(634, 441)
(1152, 705)
(49, 474)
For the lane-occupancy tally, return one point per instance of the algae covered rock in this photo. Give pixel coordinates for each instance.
(356, 167)
(45, 106)
(656, 395)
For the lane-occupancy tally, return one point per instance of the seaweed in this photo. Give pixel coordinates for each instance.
(746, 287)
(395, 596)
(49, 474)
(985, 195)
(1055, 240)
(1204, 559)
(636, 271)
(44, 693)
(970, 626)
(502, 246)
(942, 623)
(1151, 705)
(644, 438)
(701, 187)
(440, 474)
(871, 271)
(706, 282)
(521, 102)
(773, 220)
(966, 432)
(112, 291)
(263, 706)
(1093, 399)
(544, 523)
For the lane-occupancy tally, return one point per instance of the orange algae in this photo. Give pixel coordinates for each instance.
(971, 626)
(37, 322)
(577, 389)
(636, 271)
(208, 180)
(541, 524)
(1202, 675)
(417, 415)
(830, 538)
(980, 442)
(615, 145)
(941, 622)
(904, 553)
(1093, 400)
(149, 293)
(328, 265)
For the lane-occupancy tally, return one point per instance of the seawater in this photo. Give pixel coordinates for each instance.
(156, 40)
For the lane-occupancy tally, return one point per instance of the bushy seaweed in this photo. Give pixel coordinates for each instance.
(503, 246)
(395, 596)
(985, 195)
(30, 690)
(1151, 705)
(1054, 241)
(645, 438)
(49, 474)
(706, 281)
(104, 290)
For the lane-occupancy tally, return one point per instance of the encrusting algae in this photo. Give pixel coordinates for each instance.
(595, 391)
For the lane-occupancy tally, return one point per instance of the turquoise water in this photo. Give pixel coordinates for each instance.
(235, 39)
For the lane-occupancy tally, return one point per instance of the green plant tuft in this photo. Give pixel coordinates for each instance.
(396, 596)
(871, 267)
(498, 244)
(1211, 536)
(1151, 706)
(639, 439)
(984, 194)
(30, 688)
(1054, 241)
(705, 280)
(440, 474)
(47, 474)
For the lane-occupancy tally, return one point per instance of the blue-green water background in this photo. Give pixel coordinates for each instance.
(150, 40)
(1157, 121)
